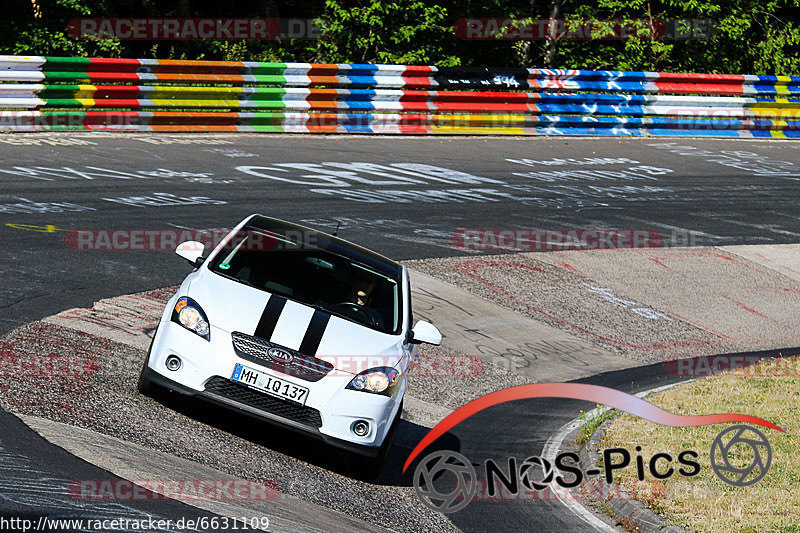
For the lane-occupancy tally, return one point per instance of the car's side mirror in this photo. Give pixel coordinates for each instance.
(192, 251)
(426, 332)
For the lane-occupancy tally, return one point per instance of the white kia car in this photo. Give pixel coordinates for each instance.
(296, 327)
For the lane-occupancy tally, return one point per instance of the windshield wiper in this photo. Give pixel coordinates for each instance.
(240, 280)
(321, 308)
(248, 283)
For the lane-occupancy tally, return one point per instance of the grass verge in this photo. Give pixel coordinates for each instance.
(704, 503)
(592, 420)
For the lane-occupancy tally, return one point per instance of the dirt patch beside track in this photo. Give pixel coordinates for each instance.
(650, 304)
(102, 396)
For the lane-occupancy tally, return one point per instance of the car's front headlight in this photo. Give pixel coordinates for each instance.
(379, 380)
(191, 316)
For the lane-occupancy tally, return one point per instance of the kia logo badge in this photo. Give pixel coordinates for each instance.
(281, 356)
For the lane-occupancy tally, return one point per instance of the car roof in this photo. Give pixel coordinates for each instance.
(329, 243)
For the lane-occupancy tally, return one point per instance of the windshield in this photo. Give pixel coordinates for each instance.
(309, 275)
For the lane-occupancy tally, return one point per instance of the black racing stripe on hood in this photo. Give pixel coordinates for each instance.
(269, 318)
(313, 336)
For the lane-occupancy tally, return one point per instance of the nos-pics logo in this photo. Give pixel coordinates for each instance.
(447, 482)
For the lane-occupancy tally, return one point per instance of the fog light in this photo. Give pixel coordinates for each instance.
(173, 363)
(360, 428)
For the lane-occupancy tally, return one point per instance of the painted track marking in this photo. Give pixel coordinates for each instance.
(553, 445)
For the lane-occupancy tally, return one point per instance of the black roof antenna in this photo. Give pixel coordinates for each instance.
(336, 231)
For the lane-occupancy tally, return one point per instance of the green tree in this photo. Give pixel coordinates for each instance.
(729, 36)
(723, 36)
(373, 31)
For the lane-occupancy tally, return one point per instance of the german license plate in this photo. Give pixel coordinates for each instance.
(270, 384)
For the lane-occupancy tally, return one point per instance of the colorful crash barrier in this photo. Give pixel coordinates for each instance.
(55, 93)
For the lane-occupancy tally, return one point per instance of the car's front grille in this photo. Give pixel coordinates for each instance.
(308, 416)
(301, 366)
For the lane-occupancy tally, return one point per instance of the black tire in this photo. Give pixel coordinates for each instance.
(371, 467)
(145, 386)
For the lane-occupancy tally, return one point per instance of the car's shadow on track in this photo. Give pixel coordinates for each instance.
(306, 448)
(408, 435)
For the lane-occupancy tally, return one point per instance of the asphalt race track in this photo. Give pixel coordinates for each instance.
(404, 197)
(704, 195)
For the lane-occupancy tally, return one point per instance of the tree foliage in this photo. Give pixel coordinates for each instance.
(742, 36)
(403, 32)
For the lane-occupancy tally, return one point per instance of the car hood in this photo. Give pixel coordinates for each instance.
(235, 307)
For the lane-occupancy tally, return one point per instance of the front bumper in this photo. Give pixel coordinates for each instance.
(224, 400)
(328, 414)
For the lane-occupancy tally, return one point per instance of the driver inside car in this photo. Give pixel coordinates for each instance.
(361, 296)
(362, 289)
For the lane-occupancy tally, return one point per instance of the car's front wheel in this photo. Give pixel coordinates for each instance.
(144, 385)
(371, 467)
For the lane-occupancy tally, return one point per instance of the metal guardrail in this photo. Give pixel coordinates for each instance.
(55, 93)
